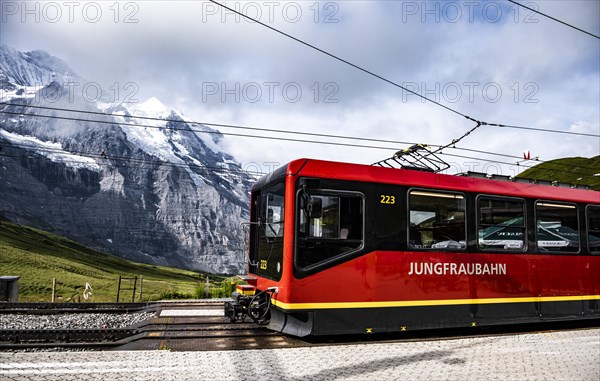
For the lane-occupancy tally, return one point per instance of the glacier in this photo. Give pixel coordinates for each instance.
(134, 180)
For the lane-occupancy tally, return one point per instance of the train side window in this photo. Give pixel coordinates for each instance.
(593, 228)
(324, 219)
(436, 220)
(501, 224)
(329, 226)
(557, 227)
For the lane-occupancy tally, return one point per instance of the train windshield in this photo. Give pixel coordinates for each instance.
(266, 231)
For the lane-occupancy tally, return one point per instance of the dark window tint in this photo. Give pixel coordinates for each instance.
(329, 226)
(557, 227)
(268, 233)
(437, 220)
(593, 223)
(501, 224)
(274, 215)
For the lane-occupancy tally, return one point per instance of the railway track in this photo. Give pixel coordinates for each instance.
(57, 308)
(194, 326)
(208, 330)
(96, 335)
(217, 333)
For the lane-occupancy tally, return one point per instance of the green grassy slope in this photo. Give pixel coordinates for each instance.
(573, 170)
(37, 257)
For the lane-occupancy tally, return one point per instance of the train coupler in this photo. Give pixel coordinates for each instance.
(256, 306)
(237, 309)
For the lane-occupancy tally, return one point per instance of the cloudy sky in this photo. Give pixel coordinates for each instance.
(491, 60)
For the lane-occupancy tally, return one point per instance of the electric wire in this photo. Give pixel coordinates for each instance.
(548, 130)
(537, 160)
(521, 165)
(233, 126)
(356, 138)
(454, 141)
(226, 170)
(340, 59)
(127, 159)
(218, 169)
(201, 131)
(478, 122)
(451, 145)
(553, 18)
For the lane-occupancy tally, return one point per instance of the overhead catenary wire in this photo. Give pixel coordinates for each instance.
(234, 126)
(241, 171)
(224, 170)
(208, 132)
(336, 57)
(371, 73)
(301, 133)
(537, 160)
(553, 18)
(127, 159)
(551, 131)
(521, 165)
(190, 122)
(451, 145)
(454, 141)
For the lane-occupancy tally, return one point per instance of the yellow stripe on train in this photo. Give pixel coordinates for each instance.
(426, 303)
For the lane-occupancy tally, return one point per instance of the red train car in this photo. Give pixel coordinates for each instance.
(339, 248)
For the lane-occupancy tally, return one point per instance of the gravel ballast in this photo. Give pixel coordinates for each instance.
(72, 320)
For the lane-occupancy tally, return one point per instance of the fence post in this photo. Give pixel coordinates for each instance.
(53, 290)
(141, 286)
(134, 284)
(119, 289)
(207, 288)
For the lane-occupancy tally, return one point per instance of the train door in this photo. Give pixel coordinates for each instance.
(266, 232)
(558, 236)
(591, 267)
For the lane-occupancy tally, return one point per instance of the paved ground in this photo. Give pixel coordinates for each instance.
(190, 312)
(565, 355)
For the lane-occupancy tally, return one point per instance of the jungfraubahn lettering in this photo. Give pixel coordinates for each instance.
(425, 268)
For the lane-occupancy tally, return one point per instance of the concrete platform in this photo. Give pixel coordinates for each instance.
(190, 312)
(553, 355)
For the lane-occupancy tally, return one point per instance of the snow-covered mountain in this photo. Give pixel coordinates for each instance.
(157, 191)
(33, 69)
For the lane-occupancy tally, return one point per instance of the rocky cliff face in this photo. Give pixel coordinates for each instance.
(156, 191)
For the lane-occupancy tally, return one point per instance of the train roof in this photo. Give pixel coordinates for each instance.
(375, 174)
